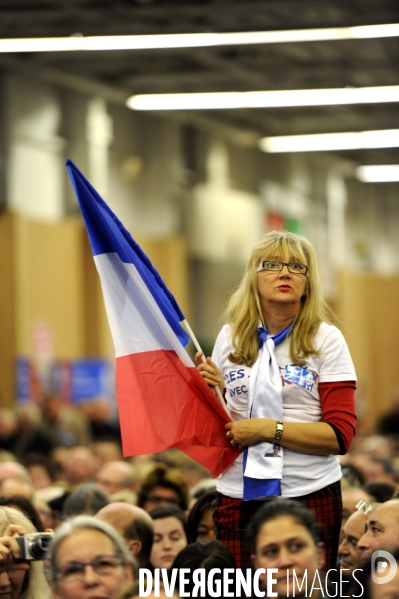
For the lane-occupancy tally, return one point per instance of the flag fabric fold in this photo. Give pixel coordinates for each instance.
(163, 401)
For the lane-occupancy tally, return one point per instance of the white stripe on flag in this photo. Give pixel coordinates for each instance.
(136, 321)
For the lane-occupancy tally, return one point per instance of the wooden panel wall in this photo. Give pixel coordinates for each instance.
(48, 276)
(368, 305)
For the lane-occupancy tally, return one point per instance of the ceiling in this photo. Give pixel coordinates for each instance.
(119, 74)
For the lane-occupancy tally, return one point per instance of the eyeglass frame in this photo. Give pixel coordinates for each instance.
(287, 264)
(159, 500)
(83, 565)
(363, 506)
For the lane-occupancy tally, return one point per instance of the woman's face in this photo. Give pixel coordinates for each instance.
(285, 544)
(169, 540)
(81, 547)
(11, 584)
(206, 530)
(281, 287)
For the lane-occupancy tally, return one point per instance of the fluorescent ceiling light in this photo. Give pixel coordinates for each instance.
(265, 99)
(361, 140)
(379, 173)
(193, 40)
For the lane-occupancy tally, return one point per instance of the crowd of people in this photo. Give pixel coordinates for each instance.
(307, 509)
(142, 513)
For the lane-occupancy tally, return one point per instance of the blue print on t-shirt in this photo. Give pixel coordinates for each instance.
(300, 376)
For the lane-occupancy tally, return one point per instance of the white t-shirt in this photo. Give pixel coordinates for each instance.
(302, 473)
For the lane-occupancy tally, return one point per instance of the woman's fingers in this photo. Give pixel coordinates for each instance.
(209, 371)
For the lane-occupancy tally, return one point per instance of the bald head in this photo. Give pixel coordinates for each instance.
(382, 530)
(134, 524)
(115, 476)
(350, 498)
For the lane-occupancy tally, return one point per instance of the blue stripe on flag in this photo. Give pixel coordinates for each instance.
(108, 235)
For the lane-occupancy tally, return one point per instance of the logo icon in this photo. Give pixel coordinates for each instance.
(377, 569)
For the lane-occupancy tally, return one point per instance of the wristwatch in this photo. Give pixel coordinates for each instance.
(279, 431)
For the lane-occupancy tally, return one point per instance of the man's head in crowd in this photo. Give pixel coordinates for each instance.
(382, 530)
(134, 525)
(115, 476)
(81, 466)
(348, 551)
(350, 498)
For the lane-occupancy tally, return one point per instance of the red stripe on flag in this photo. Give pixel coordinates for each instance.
(164, 404)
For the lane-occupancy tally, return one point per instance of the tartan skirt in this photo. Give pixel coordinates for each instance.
(232, 516)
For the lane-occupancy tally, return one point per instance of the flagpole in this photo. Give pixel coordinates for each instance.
(198, 347)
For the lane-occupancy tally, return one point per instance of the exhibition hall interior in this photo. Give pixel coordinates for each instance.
(204, 125)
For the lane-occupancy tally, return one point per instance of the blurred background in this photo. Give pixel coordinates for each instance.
(197, 187)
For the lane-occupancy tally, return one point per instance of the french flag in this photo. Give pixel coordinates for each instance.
(163, 401)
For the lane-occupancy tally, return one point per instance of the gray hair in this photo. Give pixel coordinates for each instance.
(77, 523)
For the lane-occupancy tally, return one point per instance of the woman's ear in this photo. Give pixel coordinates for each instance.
(254, 561)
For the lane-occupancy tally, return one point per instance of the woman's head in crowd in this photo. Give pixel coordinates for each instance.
(206, 556)
(200, 523)
(89, 559)
(163, 486)
(170, 535)
(27, 583)
(284, 536)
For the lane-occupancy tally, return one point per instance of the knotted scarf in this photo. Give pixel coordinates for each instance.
(263, 470)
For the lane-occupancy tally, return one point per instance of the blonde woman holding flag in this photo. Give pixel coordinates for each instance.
(288, 381)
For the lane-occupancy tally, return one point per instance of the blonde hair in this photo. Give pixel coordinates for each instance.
(35, 584)
(243, 310)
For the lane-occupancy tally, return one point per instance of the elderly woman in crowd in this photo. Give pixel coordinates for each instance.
(89, 560)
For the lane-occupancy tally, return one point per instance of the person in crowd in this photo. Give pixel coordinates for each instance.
(349, 553)
(42, 470)
(207, 556)
(19, 580)
(201, 526)
(81, 466)
(382, 530)
(278, 326)
(381, 491)
(116, 476)
(170, 535)
(89, 559)
(284, 535)
(48, 503)
(162, 486)
(25, 506)
(106, 450)
(64, 424)
(350, 499)
(13, 486)
(86, 499)
(134, 525)
(20, 432)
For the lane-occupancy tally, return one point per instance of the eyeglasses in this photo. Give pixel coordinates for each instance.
(276, 266)
(75, 572)
(158, 499)
(363, 506)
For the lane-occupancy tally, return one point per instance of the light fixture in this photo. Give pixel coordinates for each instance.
(193, 40)
(378, 173)
(355, 140)
(265, 99)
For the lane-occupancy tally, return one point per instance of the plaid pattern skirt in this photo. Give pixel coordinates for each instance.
(232, 516)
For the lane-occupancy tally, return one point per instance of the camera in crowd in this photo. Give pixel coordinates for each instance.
(34, 546)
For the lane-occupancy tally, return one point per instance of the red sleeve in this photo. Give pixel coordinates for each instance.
(338, 410)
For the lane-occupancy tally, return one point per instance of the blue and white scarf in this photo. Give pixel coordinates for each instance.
(263, 470)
